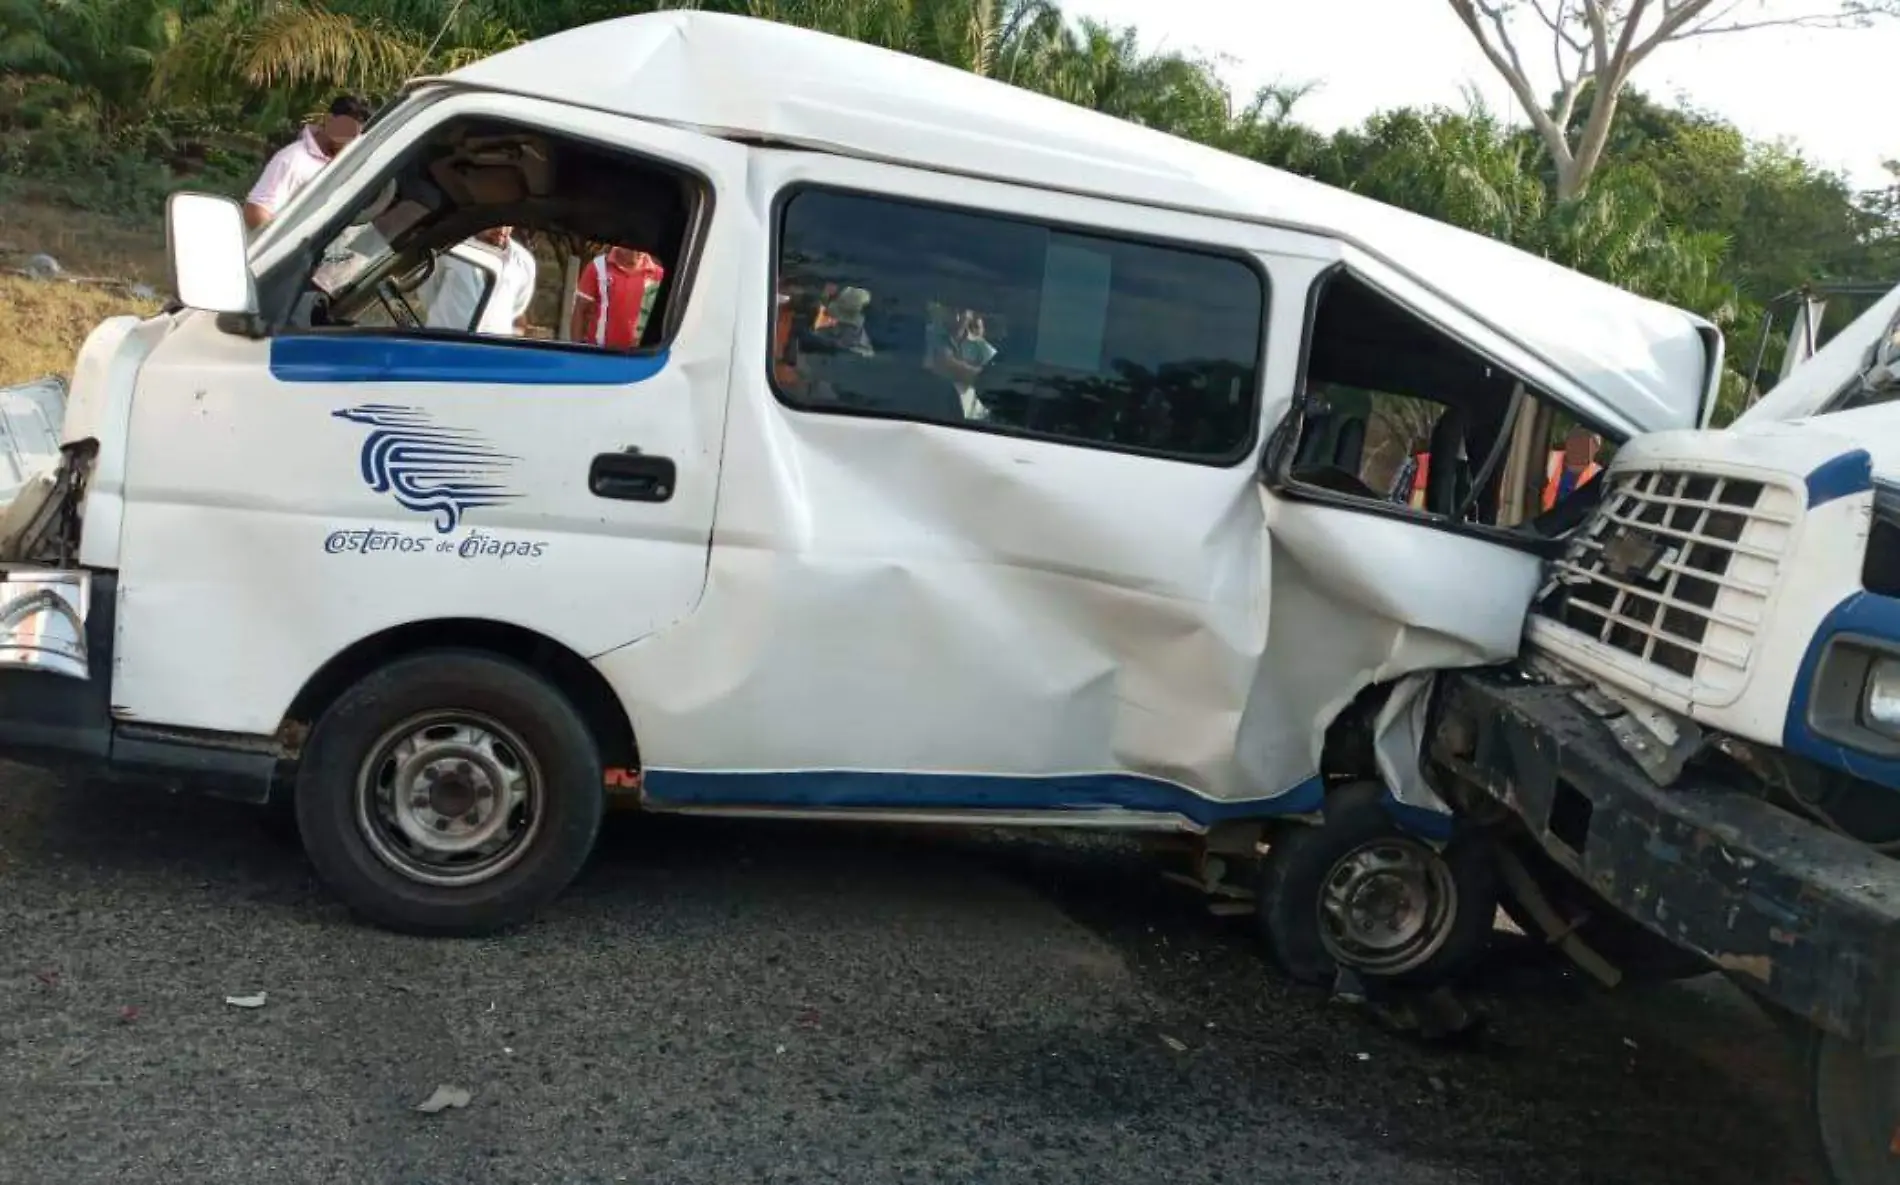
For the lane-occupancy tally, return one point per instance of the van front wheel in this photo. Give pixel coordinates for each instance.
(1357, 891)
(449, 793)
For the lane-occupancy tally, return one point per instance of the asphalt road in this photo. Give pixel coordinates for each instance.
(721, 1002)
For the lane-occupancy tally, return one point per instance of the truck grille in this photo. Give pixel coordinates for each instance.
(1674, 569)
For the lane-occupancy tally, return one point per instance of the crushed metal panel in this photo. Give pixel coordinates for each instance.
(30, 419)
(1823, 376)
(1360, 599)
(1399, 742)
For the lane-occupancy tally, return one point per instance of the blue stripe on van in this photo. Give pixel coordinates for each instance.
(393, 358)
(866, 790)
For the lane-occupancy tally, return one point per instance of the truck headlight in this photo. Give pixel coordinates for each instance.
(1880, 704)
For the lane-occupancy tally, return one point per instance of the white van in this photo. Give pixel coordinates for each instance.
(982, 459)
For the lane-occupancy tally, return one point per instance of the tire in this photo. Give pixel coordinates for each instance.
(449, 749)
(1456, 889)
(1852, 1101)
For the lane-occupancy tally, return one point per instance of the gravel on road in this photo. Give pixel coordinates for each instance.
(726, 1002)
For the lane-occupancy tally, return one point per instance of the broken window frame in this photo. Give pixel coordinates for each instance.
(286, 281)
(1283, 442)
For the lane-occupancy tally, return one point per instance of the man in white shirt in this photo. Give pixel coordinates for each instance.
(456, 288)
(297, 162)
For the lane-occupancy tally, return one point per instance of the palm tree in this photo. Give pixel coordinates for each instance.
(235, 51)
(1102, 67)
(105, 50)
(1265, 131)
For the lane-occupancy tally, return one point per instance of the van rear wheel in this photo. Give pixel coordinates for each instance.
(449, 793)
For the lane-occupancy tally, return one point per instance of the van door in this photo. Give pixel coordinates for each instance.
(991, 534)
(1422, 478)
(340, 470)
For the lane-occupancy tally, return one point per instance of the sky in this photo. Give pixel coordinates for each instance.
(1820, 90)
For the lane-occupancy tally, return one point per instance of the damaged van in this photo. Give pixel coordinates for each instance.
(976, 459)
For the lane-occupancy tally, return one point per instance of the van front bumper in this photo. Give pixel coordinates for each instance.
(1798, 915)
(56, 663)
(57, 633)
(43, 621)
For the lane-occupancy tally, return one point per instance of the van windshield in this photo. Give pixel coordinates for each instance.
(1878, 381)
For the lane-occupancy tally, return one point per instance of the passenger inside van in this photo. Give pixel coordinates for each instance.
(957, 350)
(839, 326)
(997, 323)
(833, 345)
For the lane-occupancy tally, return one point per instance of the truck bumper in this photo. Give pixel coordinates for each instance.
(1798, 915)
(56, 654)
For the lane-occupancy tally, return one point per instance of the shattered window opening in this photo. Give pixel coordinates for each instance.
(466, 235)
(1397, 412)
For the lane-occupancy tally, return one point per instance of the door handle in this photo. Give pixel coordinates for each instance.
(631, 476)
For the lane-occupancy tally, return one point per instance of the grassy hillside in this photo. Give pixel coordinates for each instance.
(43, 322)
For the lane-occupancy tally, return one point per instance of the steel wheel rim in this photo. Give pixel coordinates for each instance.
(449, 798)
(1387, 906)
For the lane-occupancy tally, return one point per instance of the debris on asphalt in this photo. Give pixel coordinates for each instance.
(48, 977)
(444, 1098)
(1174, 1043)
(128, 1014)
(1364, 1057)
(256, 1001)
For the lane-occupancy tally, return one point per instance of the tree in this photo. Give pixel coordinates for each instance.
(1265, 131)
(107, 48)
(1882, 210)
(1595, 47)
(1104, 68)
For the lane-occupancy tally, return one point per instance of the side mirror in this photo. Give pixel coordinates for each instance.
(205, 239)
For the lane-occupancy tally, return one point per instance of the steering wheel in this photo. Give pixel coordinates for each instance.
(397, 305)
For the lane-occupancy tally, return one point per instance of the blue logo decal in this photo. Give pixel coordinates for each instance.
(444, 472)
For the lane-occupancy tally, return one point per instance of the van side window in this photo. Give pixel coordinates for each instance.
(946, 316)
(1398, 412)
(503, 231)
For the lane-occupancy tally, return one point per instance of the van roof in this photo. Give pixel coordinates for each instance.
(762, 81)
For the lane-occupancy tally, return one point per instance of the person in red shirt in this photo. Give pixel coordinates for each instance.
(614, 298)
